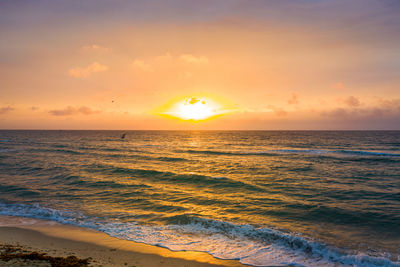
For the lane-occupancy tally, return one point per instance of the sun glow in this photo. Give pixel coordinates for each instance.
(194, 109)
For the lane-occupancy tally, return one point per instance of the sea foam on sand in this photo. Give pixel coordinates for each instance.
(64, 240)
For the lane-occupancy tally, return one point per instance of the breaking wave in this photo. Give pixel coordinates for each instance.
(246, 243)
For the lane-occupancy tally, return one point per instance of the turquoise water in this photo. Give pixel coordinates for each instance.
(263, 197)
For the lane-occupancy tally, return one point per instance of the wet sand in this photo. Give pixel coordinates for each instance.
(59, 240)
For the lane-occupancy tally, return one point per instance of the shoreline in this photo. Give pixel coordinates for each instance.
(58, 240)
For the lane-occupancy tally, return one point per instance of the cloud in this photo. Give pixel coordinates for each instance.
(140, 64)
(336, 113)
(79, 72)
(382, 109)
(280, 112)
(4, 110)
(352, 101)
(153, 63)
(390, 104)
(294, 99)
(69, 111)
(338, 86)
(95, 48)
(87, 111)
(165, 57)
(170, 61)
(191, 59)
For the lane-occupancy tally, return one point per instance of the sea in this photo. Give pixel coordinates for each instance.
(265, 198)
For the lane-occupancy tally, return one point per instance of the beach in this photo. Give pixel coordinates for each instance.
(59, 240)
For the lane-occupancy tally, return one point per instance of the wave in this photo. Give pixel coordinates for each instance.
(210, 152)
(368, 153)
(100, 152)
(103, 184)
(293, 151)
(19, 191)
(59, 150)
(6, 150)
(139, 156)
(197, 179)
(171, 159)
(246, 243)
(271, 152)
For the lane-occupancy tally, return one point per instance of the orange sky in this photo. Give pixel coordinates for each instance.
(279, 64)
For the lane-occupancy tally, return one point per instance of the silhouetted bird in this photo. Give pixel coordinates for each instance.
(123, 136)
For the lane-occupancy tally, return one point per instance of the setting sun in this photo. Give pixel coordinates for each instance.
(195, 108)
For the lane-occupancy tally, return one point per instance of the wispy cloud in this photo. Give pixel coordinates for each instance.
(69, 111)
(79, 72)
(352, 101)
(142, 65)
(278, 111)
(191, 59)
(294, 99)
(338, 86)
(183, 61)
(4, 110)
(95, 48)
(381, 109)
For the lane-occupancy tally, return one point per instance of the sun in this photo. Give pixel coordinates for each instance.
(194, 109)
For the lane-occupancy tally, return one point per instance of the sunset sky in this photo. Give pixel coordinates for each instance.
(273, 65)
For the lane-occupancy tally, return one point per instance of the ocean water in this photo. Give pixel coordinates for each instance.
(266, 198)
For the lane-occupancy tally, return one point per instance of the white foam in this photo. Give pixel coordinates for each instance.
(250, 245)
(218, 177)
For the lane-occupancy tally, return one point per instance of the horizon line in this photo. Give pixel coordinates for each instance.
(205, 130)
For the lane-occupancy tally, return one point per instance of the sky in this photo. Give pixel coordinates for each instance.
(272, 65)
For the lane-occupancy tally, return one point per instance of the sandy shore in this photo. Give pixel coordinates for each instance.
(59, 240)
